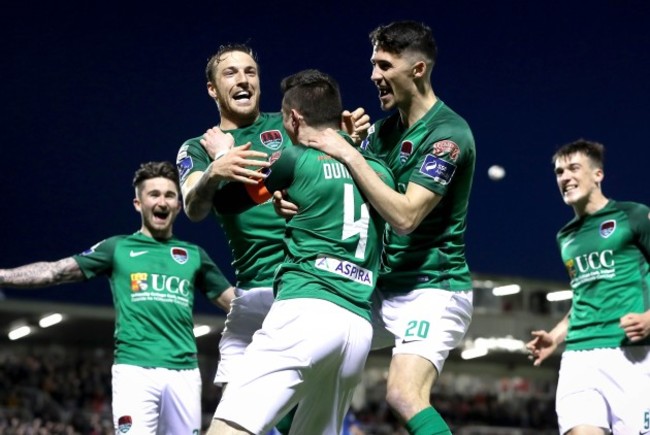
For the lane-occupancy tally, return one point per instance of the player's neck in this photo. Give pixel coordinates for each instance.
(418, 106)
(593, 204)
(157, 234)
(232, 122)
(306, 133)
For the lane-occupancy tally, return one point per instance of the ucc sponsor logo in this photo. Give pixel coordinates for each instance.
(592, 266)
(143, 282)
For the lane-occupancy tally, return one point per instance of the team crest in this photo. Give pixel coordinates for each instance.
(447, 147)
(272, 139)
(124, 423)
(179, 255)
(405, 151)
(607, 228)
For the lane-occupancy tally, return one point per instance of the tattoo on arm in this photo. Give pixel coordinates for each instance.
(42, 274)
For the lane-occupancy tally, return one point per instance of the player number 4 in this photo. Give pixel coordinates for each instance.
(353, 227)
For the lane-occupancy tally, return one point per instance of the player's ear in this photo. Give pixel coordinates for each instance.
(419, 68)
(599, 175)
(136, 204)
(212, 90)
(296, 117)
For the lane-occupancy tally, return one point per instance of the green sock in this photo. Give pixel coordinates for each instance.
(427, 422)
(284, 425)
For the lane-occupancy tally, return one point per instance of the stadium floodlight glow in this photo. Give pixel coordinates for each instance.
(482, 283)
(475, 352)
(19, 332)
(49, 320)
(505, 290)
(200, 330)
(560, 295)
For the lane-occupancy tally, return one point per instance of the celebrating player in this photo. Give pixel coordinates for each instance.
(605, 369)
(314, 342)
(153, 276)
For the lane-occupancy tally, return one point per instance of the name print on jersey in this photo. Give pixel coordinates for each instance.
(590, 267)
(335, 170)
(160, 288)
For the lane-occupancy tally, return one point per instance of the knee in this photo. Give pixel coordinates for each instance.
(397, 397)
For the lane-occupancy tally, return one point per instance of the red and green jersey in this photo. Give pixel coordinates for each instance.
(153, 284)
(607, 256)
(254, 235)
(437, 153)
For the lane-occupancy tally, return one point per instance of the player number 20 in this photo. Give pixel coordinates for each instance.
(419, 329)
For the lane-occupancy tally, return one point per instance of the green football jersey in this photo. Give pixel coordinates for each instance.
(153, 283)
(437, 153)
(334, 242)
(607, 256)
(255, 235)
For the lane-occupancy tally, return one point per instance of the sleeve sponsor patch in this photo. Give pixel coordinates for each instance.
(440, 170)
(184, 166)
(92, 248)
(182, 152)
(446, 147)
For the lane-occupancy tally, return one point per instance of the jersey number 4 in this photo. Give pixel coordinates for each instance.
(353, 227)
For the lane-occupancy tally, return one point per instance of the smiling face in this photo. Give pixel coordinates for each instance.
(578, 179)
(236, 89)
(393, 75)
(158, 202)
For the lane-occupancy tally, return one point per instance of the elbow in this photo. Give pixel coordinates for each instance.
(404, 225)
(193, 214)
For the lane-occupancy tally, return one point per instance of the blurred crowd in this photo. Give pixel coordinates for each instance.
(49, 390)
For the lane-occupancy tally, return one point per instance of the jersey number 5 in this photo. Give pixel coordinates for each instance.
(353, 227)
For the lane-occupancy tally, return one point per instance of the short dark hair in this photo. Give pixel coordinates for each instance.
(593, 150)
(223, 49)
(406, 36)
(315, 95)
(150, 170)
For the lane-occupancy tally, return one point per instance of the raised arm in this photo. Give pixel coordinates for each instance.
(404, 212)
(229, 164)
(42, 274)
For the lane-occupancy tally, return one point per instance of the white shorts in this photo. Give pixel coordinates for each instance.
(424, 322)
(310, 351)
(608, 388)
(156, 400)
(247, 312)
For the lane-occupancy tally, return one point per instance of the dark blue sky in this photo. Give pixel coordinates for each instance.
(90, 92)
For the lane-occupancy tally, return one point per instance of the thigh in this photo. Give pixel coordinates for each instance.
(628, 386)
(180, 410)
(136, 399)
(428, 323)
(328, 391)
(614, 383)
(302, 343)
(579, 400)
(246, 316)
